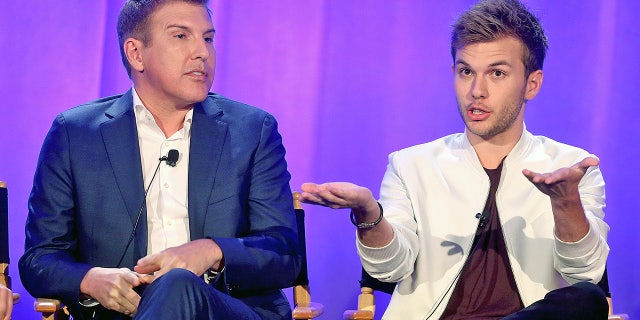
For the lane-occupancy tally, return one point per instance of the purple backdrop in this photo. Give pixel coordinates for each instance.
(349, 81)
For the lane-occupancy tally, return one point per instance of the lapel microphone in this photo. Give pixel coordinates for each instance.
(171, 159)
(483, 219)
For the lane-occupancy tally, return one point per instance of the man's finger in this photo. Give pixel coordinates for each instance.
(148, 264)
(145, 278)
(588, 162)
(309, 187)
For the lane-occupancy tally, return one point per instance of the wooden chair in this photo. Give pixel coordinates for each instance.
(5, 279)
(604, 285)
(366, 299)
(53, 309)
(303, 307)
(367, 307)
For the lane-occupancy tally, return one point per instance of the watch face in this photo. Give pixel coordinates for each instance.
(91, 302)
(210, 276)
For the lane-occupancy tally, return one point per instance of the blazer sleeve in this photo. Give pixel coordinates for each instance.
(266, 256)
(585, 260)
(51, 243)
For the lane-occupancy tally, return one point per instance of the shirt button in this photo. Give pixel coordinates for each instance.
(166, 185)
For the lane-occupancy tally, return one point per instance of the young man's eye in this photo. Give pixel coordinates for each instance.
(208, 40)
(498, 74)
(464, 71)
(181, 36)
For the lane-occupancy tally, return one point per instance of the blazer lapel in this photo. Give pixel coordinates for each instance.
(208, 134)
(120, 138)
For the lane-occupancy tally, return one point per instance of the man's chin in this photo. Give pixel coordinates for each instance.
(196, 97)
(479, 130)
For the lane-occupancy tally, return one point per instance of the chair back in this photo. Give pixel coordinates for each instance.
(604, 283)
(5, 279)
(304, 308)
(4, 236)
(303, 277)
(368, 281)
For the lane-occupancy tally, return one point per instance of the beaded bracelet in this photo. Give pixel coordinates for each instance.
(366, 225)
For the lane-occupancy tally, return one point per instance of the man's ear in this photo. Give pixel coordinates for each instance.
(132, 50)
(534, 82)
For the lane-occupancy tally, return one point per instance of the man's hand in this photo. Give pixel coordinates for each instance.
(561, 184)
(113, 288)
(197, 256)
(562, 188)
(6, 303)
(338, 195)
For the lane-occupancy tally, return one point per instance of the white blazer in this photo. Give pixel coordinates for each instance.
(431, 194)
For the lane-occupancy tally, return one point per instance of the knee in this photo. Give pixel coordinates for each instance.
(590, 291)
(178, 275)
(592, 294)
(176, 278)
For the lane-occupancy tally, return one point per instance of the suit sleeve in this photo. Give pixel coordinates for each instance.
(49, 266)
(267, 256)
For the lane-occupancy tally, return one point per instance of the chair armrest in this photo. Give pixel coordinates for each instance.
(622, 316)
(357, 315)
(366, 306)
(51, 309)
(310, 311)
(304, 308)
(47, 305)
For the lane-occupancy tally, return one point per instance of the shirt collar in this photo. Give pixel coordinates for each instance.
(144, 116)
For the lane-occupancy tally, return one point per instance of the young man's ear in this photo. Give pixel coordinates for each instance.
(534, 82)
(132, 50)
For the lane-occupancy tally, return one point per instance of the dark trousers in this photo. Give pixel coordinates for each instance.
(181, 295)
(583, 300)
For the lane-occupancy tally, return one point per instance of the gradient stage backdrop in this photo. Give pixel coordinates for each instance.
(349, 82)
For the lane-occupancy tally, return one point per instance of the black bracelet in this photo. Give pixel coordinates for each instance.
(366, 225)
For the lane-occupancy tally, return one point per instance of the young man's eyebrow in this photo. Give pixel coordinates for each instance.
(500, 63)
(493, 64)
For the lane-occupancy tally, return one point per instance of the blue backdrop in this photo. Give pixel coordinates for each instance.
(350, 82)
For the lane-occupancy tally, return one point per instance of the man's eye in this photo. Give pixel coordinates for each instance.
(464, 71)
(181, 36)
(498, 73)
(208, 40)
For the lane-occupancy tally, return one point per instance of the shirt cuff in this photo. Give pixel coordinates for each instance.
(579, 248)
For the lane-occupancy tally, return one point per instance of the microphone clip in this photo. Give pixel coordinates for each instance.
(171, 158)
(483, 219)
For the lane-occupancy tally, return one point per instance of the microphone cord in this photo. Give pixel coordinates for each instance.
(144, 204)
(483, 219)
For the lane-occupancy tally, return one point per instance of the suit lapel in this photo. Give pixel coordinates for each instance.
(208, 134)
(120, 138)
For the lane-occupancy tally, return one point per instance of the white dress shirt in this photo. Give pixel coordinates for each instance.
(167, 205)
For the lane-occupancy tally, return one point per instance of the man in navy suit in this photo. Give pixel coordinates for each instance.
(116, 231)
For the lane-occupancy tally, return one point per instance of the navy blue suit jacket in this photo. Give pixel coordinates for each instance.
(88, 189)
